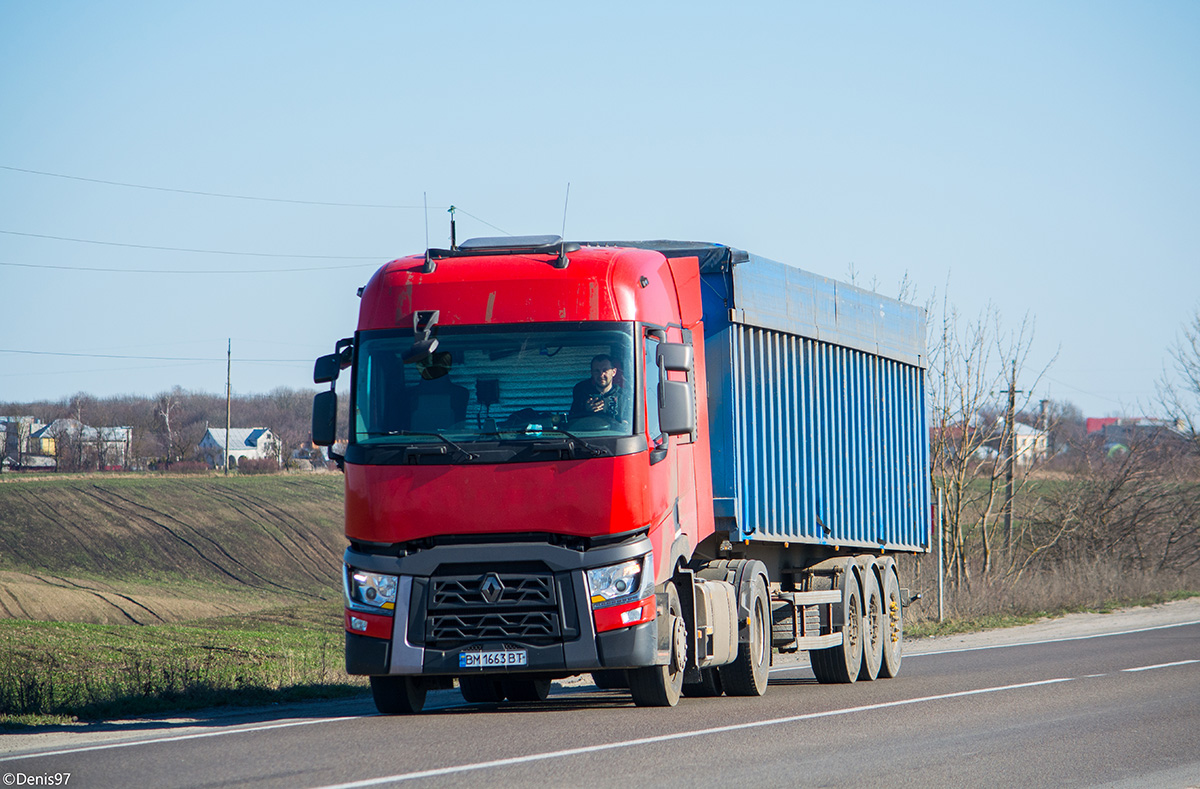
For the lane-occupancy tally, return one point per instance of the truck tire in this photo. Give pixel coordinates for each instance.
(661, 686)
(893, 631)
(874, 626)
(610, 679)
(481, 689)
(747, 674)
(398, 695)
(708, 687)
(842, 663)
(525, 689)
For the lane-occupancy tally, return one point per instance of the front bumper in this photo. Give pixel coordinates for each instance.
(439, 615)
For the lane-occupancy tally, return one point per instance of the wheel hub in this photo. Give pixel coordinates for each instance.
(678, 646)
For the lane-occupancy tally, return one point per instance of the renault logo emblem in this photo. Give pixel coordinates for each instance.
(491, 588)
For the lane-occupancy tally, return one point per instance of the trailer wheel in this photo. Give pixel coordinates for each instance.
(841, 664)
(893, 631)
(398, 695)
(660, 686)
(525, 689)
(708, 687)
(874, 626)
(481, 689)
(747, 674)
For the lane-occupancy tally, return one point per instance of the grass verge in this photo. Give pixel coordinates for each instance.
(57, 672)
(954, 626)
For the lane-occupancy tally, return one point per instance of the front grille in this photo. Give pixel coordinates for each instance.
(464, 628)
(524, 608)
(520, 591)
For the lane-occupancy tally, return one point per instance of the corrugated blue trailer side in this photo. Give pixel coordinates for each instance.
(816, 408)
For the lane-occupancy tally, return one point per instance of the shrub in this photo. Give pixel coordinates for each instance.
(188, 467)
(258, 466)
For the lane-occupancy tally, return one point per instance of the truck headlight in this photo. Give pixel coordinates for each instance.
(370, 591)
(622, 594)
(621, 583)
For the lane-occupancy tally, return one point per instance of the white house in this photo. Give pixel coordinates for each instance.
(244, 442)
(80, 446)
(1029, 444)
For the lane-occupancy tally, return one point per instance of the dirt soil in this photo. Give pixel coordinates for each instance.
(54, 598)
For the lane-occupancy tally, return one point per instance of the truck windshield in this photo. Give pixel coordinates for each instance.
(496, 383)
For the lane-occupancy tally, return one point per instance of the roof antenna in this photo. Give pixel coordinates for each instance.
(566, 200)
(562, 245)
(453, 242)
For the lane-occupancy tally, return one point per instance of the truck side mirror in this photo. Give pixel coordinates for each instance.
(677, 414)
(324, 418)
(326, 369)
(676, 357)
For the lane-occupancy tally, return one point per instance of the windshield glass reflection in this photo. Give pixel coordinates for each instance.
(503, 383)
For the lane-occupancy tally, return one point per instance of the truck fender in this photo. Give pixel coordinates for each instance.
(681, 553)
(740, 573)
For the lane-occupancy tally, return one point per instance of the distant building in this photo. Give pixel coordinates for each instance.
(244, 442)
(1029, 444)
(14, 438)
(983, 440)
(71, 444)
(1122, 433)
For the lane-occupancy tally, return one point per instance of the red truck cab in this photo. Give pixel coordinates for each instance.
(527, 467)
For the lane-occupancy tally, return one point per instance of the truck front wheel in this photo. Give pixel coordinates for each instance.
(398, 695)
(660, 686)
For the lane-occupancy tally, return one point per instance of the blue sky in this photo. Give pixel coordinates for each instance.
(1040, 157)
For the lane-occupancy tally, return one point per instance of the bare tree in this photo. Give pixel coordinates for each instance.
(1179, 388)
(973, 366)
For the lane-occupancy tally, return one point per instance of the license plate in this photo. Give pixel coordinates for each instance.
(498, 658)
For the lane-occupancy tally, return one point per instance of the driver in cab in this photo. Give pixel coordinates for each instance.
(602, 394)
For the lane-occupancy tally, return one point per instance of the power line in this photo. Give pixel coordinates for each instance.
(208, 194)
(144, 358)
(239, 197)
(184, 271)
(199, 251)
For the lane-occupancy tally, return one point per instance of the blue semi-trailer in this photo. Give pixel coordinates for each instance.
(745, 455)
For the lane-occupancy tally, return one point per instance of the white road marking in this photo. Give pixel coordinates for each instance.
(177, 738)
(1161, 665)
(537, 757)
(290, 724)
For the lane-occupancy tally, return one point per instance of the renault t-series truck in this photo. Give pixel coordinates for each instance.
(657, 462)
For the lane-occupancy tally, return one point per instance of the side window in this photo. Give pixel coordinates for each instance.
(652, 378)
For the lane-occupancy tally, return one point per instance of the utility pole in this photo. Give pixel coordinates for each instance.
(1044, 426)
(228, 397)
(1010, 434)
(941, 529)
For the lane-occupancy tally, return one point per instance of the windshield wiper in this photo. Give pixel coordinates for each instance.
(462, 451)
(570, 446)
(592, 449)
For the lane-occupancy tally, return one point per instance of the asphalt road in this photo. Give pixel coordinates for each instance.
(1121, 708)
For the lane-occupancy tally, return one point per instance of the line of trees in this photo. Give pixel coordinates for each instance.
(168, 427)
